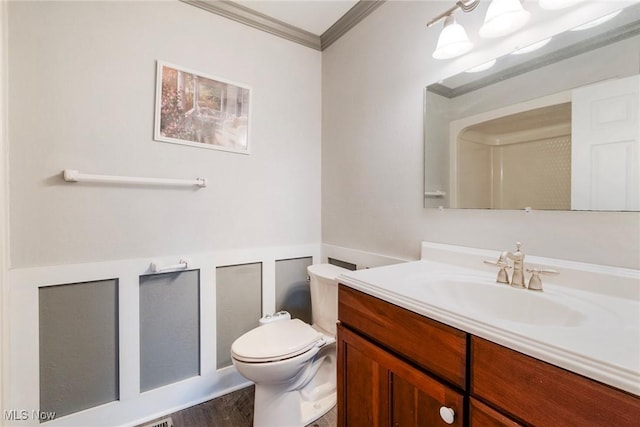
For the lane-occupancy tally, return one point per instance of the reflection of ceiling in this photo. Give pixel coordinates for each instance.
(546, 122)
(562, 46)
(552, 115)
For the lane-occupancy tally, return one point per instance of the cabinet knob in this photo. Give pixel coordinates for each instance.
(447, 414)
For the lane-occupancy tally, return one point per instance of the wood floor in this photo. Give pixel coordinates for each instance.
(231, 410)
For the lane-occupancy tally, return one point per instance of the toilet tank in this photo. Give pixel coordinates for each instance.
(324, 295)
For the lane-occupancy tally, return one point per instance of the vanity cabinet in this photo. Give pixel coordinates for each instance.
(380, 389)
(542, 394)
(481, 415)
(398, 368)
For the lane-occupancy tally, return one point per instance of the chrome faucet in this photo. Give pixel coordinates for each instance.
(517, 279)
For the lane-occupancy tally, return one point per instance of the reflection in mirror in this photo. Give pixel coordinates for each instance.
(560, 130)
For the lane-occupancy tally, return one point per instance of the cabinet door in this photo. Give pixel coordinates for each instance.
(480, 415)
(375, 388)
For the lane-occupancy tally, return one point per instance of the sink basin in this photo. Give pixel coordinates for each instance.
(492, 300)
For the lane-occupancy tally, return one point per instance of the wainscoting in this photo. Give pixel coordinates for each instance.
(120, 343)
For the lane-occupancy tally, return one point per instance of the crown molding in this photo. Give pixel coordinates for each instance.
(260, 21)
(349, 20)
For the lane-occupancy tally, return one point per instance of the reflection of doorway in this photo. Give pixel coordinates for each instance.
(577, 150)
(520, 158)
(606, 146)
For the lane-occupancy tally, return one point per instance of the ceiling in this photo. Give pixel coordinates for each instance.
(314, 16)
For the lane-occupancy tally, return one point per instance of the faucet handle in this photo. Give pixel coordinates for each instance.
(535, 283)
(500, 263)
(503, 276)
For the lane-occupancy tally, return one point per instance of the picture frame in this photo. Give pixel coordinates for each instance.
(198, 110)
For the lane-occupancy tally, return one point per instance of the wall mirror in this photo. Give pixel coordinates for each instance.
(558, 128)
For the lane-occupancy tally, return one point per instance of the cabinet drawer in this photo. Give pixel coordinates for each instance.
(542, 394)
(438, 348)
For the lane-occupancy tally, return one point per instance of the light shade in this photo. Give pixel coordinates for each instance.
(453, 40)
(557, 4)
(503, 17)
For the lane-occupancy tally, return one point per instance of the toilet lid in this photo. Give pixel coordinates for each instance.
(275, 341)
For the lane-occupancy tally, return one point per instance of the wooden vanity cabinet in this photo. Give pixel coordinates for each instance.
(481, 415)
(394, 384)
(376, 388)
(397, 368)
(545, 395)
(438, 348)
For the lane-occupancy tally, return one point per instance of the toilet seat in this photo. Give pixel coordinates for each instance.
(276, 341)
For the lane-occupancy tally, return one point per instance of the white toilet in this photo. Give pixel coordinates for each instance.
(292, 363)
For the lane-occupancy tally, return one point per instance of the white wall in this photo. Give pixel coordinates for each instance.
(81, 92)
(81, 95)
(372, 148)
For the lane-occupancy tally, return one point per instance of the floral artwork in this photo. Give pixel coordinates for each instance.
(200, 111)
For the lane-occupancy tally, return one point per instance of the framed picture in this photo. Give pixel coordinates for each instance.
(201, 111)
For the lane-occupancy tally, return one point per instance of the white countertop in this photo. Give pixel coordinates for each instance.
(603, 344)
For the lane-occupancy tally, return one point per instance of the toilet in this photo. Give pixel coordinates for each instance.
(292, 363)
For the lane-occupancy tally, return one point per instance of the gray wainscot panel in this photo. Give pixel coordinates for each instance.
(169, 328)
(292, 288)
(78, 326)
(238, 305)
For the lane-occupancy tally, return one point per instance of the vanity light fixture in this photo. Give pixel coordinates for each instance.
(503, 18)
(531, 47)
(453, 40)
(482, 67)
(597, 21)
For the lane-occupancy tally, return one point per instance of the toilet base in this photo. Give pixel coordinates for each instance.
(302, 400)
(288, 409)
(311, 411)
